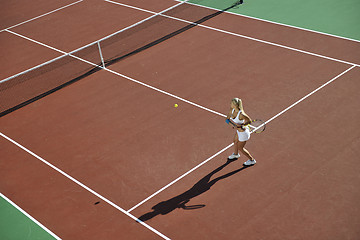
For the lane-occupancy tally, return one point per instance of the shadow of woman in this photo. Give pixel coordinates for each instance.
(181, 200)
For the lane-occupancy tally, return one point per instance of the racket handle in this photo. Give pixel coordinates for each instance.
(227, 121)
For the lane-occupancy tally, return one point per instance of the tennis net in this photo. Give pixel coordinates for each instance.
(38, 82)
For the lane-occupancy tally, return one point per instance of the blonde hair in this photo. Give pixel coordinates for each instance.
(238, 103)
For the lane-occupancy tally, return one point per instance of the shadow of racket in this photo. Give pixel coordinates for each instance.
(192, 207)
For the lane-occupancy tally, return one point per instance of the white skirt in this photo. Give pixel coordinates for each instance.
(243, 136)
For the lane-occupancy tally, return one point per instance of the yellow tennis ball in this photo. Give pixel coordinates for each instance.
(176, 105)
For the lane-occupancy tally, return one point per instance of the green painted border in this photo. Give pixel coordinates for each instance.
(15, 225)
(335, 17)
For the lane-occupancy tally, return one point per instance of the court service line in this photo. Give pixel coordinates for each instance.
(273, 22)
(244, 36)
(42, 15)
(29, 216)
(84, 186)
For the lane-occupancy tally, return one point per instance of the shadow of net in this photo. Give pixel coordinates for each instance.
(68, 69)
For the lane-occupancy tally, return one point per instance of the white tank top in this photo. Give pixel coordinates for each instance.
(236, 119)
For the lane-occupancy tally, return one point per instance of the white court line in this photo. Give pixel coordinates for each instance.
(37, 42)
(266, 42)
(282, 46)
(308, 95)
(246, 37)
(42, 15)
(276, 23)
(182, 176)
(83, 186)
(133, 7)
(164, 92)
(29, 216)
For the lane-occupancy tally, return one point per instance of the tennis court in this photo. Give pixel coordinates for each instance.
(92, 146)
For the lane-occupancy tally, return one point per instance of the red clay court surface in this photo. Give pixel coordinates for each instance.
(126, 141)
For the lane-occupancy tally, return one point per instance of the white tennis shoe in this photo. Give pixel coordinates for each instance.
(234, 156)
(249, 162)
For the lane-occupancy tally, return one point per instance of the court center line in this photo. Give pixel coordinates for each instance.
(83, 186)
(42, 15)
(30, 217)
(273, 22)
(244, 36)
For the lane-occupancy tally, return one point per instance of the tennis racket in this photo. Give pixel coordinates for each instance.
(257, 126)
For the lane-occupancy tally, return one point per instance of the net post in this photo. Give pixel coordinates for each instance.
(101, 56)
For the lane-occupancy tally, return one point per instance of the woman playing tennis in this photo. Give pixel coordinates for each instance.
(239, 120)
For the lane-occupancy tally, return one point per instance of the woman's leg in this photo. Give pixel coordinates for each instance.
(235, 155)
(236, 141)
(241, 147)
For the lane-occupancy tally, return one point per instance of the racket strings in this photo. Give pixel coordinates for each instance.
(257, 126)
